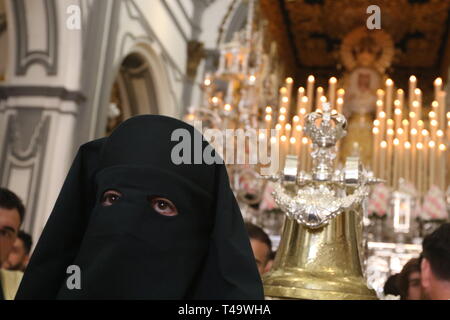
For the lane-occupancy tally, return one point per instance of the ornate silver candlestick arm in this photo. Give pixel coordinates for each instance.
(326, 192)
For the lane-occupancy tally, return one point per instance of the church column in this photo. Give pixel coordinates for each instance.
(39, 103)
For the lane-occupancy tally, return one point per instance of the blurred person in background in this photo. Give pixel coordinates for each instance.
(261, 245)
(12, 212)
(20, 254)
(435, 264)
(390, 286)
(408, 281)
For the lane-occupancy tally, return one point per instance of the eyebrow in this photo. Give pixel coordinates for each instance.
(8, 228)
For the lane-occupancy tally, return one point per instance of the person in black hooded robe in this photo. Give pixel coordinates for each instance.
(139, 226)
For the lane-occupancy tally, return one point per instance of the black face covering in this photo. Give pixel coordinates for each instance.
(127, 249)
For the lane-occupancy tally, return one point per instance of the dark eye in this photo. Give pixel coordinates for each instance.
(163, 206)
(109, 197)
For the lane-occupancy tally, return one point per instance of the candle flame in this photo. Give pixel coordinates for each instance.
(292, 140)
(419, 145)
(431, 144)
(283, 138)
(268, 117)
(383, 144)
(289, 80)
(412, 79)
(442, 147)
(268, 109)
(389, 82)
(304, 140)
(311, 78)
(438, 81)
(407, 145)
(333, 80)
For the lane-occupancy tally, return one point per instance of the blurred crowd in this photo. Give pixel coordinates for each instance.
(424, 278)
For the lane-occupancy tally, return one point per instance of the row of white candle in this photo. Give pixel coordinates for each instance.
(403, 146)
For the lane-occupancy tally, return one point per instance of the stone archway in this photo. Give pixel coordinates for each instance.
(133, 92)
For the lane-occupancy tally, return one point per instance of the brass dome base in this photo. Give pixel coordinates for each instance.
(295, 283)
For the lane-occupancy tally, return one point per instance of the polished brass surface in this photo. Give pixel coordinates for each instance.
(320, 264)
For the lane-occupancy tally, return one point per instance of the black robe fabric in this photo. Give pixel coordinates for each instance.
(130, 251)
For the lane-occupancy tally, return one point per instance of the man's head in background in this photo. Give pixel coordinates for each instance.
(261, 245)
(435, 264)
(12, 212)
(408, 281)
(20, 254)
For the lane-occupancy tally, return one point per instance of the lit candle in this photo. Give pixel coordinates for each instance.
(300, 95)
(414, 168)
(437, 87)
(412, 87)
(382, 171)
(441, 109)
(442, 159)
(401, 98)
(397, 114)
(283, 149)
(268, 121)
(287, 130)
(418, 94)
(332, 91)
(389, 92)
(405, 126)
(432, 161)
(407, 161)
(420, 167)
(293, 146)
(340, 99)
(289, 84)
(389, 157)
(380, 95)
(376, 144)
(310, 92)
(319, 94)
(339, 105)
(304, 153)
(395, 170)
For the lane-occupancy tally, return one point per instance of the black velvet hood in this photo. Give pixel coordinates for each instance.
(128, 250)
